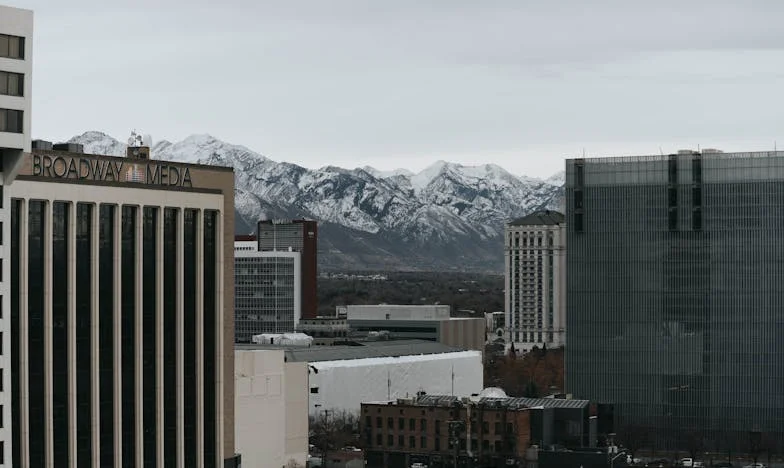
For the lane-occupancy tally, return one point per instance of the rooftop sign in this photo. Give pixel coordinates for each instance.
(106, 170)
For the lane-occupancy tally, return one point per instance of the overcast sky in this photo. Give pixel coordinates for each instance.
(403, 83)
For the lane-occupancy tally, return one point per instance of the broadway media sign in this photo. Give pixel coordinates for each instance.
(74, 167)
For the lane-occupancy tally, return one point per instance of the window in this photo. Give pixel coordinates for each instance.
(438, 444)
(379, 440)
(390, 440)
(390, 423)
(498, 428)
(368, 420)
(401, 423)
(438, 426)
(412, 424)
(314, 389)
(11, 121)
(485, 427)
(423, 442)
(11, 84)
(412, 442)
(379, 424)
(1, 416)
(423, 425)
(12, 46)
(401, 441)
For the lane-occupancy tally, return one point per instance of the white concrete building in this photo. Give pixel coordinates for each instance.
(271, 408)
(342, 377)
(268, 291)
(535, 267)
(16, 67)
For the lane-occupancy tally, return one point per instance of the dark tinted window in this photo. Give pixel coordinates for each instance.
(11, 121)
(11, 84)
(83, 285)
(12, 46)
(60, 272)
(149, 286)
(127, 330)
(106, 295)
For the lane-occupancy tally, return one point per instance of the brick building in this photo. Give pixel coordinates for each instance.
(433, 430)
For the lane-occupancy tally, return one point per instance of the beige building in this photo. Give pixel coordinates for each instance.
(535, 266)
(121, 311)
(16, 66)
(419, 322)
(271, 408)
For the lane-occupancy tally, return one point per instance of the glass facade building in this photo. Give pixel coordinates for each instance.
(267, 293)
(675, 293)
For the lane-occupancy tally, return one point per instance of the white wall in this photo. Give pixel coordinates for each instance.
(344, 385)
(398, 312)
(18, 22)
(271, 420)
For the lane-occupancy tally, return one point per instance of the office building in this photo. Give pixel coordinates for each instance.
(675, 293)
(341, 377)
(301, 236)
(535, 259)
(326, 331)
(16, 66)
(418, 322)
(121, 311)
(268, 290)
(271, 408)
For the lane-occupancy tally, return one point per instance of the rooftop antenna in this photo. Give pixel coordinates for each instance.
(661, 153)
(583, 153)
(775, 148)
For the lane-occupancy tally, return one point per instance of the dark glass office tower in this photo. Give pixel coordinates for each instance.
(675, 298)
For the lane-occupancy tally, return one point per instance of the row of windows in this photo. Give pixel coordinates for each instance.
(12, 47)
(108, 249)
(11, 84)
(11, 121)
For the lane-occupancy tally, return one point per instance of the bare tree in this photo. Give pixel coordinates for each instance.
(333, 430)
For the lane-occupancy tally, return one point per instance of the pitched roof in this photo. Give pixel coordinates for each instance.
(539, 218)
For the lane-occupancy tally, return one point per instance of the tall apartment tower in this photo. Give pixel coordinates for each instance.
(535, 264)
(267, 290)
(297, 235)
(675, 297)
(16, 65)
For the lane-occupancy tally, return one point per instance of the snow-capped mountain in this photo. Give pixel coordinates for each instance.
(448, 216)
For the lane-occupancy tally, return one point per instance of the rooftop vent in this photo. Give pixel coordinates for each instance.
(685, 151)
(711, 151)
(42, 145)
(69, 147)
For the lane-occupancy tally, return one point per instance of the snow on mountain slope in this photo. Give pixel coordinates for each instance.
(446, 216)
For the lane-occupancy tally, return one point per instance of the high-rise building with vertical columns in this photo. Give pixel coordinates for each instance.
(121, 311)
(16, 66)
(535, 257)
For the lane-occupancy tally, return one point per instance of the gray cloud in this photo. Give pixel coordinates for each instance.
(404, 83)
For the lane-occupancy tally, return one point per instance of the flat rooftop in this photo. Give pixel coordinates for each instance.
(369, 349)
(509, 402)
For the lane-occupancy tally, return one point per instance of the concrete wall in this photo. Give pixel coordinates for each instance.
(271, 409)
(466, 333)
(346, 384)
(398, 312)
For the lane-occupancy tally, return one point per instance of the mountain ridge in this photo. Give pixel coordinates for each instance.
(447, 216)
